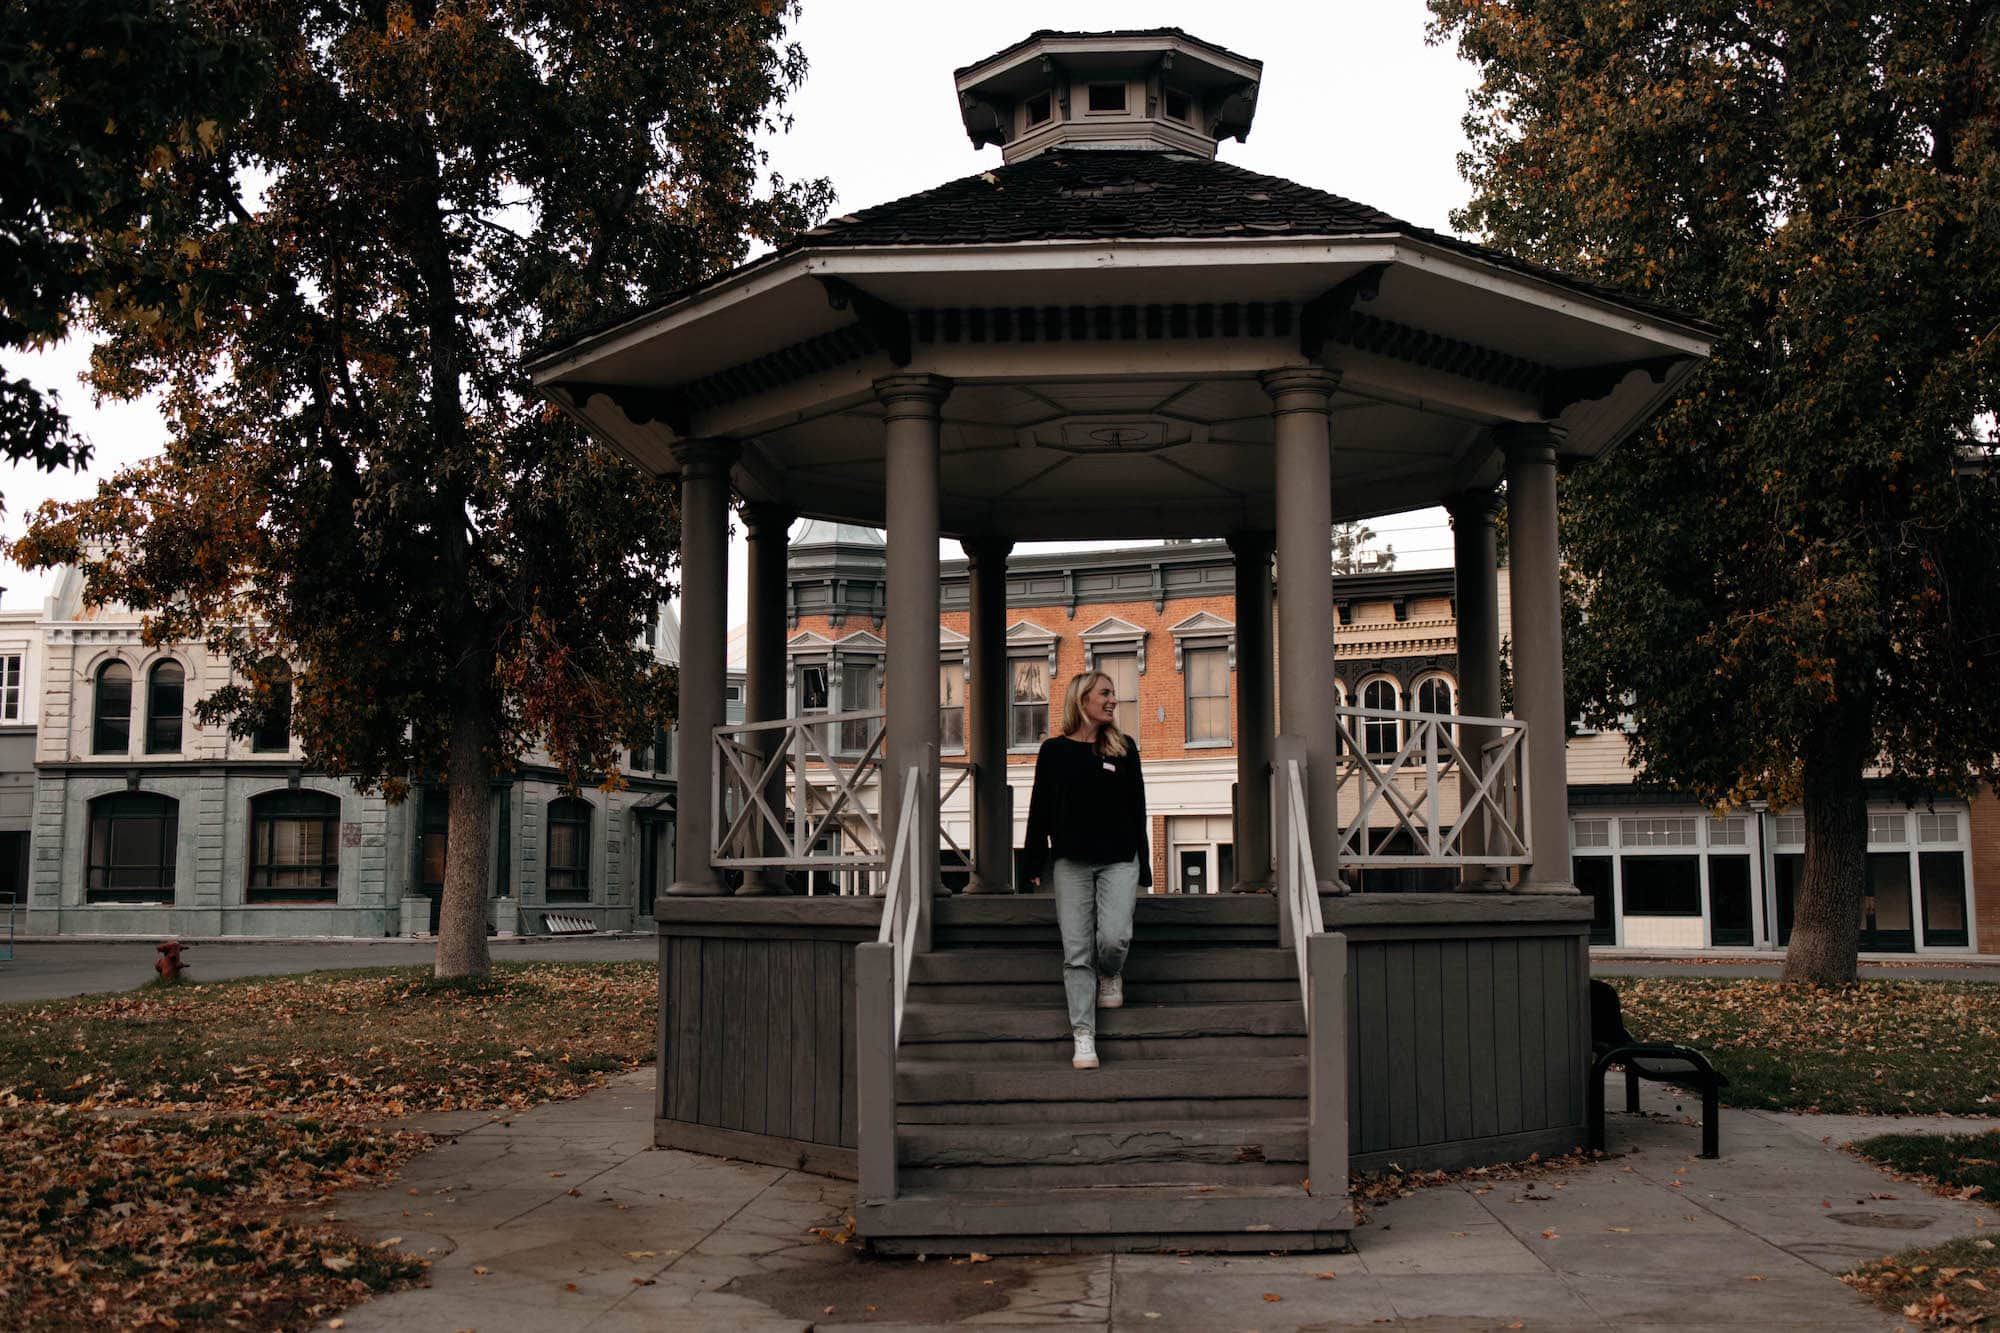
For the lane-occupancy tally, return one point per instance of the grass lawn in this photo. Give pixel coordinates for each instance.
(1953, 1285)
(1872, 1048)
(1967, 1165)
(158, 1147)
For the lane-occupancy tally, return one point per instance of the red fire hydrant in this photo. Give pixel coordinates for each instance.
(169, 965)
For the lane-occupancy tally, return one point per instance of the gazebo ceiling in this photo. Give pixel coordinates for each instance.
(1104, 315)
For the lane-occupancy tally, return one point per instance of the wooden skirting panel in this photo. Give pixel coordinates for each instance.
(1465, 1049)
(757, 1037)
(764, 1149)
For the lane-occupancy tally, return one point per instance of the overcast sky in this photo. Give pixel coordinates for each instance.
(1353, 101)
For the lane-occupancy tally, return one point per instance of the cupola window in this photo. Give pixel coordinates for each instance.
(1179, 106)
(1036, 109)
(1107, 97)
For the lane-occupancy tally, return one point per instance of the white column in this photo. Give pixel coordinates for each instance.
(1256, 711)
(766, 528)
(1306, 697)
(986, 715)
(910, 422)
(1475, 561)
(1534, 582)
(705, 468)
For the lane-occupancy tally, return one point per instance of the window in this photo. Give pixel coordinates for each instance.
(165, 689)
(1179, 106)
(1937, 827)
(1670, 831)
(951, 705)
(1731, 831)
(1790, 831)
(1123, 668)
(1028, 709)
(1590, 833)
(273, 732)
(433, 821)
(10, 688)
(1434, 696)
(860, 691)
(133, 836)
(111, 714)
(1107, 97)
(1887, 828)
(1943, 875)
(569, 852)
(1730, 915)
(1592, 876)
(1036, 109)
(1207, 673)
(294, 847)
(1662, 886)
(1383, 738)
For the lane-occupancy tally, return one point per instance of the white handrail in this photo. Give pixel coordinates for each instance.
(899, 900)
(1301, 879)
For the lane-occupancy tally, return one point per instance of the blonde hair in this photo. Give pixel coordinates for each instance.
(1111, 742)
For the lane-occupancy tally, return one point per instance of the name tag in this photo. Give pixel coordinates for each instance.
(1110, 767)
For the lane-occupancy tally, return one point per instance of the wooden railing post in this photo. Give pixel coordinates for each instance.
(1326, 1132)
(875, 1072)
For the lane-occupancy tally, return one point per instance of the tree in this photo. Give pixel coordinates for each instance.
(1791, 569)
(356, 481)
(98, 103)
(1351, 553)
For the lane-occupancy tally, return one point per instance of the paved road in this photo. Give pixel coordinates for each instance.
(52, 969)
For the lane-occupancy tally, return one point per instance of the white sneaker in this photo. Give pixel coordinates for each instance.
(1111, 992)
(1086, 1051)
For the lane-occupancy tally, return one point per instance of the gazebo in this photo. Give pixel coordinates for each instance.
(1113, 334)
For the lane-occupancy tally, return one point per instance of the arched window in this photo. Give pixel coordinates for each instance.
(133, 835)
(568, 879)
(166, 689)
(294, 847)
(274, 728)
(1434, 695)
(1383, 737)
(111, 711)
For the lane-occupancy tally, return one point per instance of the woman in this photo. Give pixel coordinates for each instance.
(1089, 806)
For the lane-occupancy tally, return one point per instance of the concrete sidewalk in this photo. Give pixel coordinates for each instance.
(565, 1218)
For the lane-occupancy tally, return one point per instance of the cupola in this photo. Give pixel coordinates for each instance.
(1158, 88)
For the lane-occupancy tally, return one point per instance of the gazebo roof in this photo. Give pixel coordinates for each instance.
(1103, 305)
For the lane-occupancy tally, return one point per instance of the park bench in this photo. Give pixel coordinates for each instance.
(1612, 1043)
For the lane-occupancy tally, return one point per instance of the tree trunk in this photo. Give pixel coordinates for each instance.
(1826, 915)
(461, 948)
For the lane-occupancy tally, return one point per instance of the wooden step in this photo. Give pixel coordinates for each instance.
(919, 1080)
(1044, 994)
(1024, 966)
(1099, 1112)
(1096, 1144)
(966, 1022)
(1105, 1217)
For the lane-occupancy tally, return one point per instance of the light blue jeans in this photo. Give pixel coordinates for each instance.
(1094, 910)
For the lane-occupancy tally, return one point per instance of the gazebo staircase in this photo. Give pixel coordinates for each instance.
(1192, 1135)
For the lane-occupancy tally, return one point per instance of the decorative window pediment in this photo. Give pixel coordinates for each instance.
(1113, 635)
(952, 646)
(1025, 638)
(1203, 629)
(861, 641)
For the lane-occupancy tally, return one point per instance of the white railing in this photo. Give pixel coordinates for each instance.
(1297, 876)
(825, 789)
(902, 900)
(1385, 794)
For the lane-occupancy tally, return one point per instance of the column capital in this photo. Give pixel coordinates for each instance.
(912, 395)
(985, 548)
(1474, 506)
(766, 518)
(706, 457)
(1300, 388)
(1251, 543)
(1530, 441)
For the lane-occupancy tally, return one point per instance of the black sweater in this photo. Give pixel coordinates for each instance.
(1087, 807)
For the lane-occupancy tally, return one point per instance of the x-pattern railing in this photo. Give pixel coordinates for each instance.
(1403, 792)
(826, 787)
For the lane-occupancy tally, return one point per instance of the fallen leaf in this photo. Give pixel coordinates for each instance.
(981, 1258)
(1623, 1231)
(480, 1270)
(1324, 1277)
(642, 1254)
(1272, 1296)
(642, 1282)
(1549, 1234)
